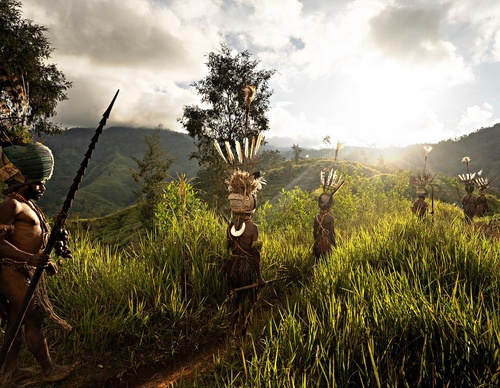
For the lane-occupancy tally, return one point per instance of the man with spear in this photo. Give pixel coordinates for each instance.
(23, 236)
(26, 242)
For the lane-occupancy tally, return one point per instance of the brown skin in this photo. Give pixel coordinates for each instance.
(469, 206)
(420, 207)
(328, 223)
(245, 241)
(24, 246)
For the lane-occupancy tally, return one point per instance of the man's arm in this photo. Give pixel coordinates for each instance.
(9, 211)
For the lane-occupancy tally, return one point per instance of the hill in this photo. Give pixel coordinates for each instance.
(109, 187)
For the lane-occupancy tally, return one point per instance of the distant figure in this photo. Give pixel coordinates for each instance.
(324, 227)
(481, 204)
(469, 203)
(420, 207)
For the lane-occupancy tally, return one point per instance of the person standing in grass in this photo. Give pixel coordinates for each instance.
(243, 267)
(420, 207)
(469, 203)
(324, 225)
(23, 235)
(483, 185)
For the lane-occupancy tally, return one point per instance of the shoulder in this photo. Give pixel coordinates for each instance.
(9, 209)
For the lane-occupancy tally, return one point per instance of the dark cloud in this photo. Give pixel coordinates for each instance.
(409, 33)
(113, 35)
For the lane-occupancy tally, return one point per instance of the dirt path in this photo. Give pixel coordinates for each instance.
(183, 369)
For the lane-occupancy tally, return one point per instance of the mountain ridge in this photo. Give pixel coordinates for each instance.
(108, 185)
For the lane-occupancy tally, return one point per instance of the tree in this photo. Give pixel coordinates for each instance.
(296, 152)
(327, 141)
(24, 50)
(151, 174)
(227, 109)
(270, 159)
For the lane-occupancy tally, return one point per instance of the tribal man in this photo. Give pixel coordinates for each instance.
(324, 227)
(243, 265)
(24, 232)
(469, 203)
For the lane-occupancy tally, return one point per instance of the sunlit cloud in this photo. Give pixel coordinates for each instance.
(361, 71)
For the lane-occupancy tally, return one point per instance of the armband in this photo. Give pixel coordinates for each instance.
(257, 245)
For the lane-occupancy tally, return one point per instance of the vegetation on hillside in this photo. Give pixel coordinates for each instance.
(400, 302)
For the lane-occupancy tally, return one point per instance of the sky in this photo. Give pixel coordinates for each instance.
(374, 73)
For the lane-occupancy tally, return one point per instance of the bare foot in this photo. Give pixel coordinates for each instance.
(58, 373)
(19, 374)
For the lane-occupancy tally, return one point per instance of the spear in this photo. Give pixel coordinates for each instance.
(59, 223)
(255, 285)
(432, 203)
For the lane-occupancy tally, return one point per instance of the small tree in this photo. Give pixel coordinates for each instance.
(327, 141)
(296, 152)
(270, 159)
(235, 97)
(151, 174)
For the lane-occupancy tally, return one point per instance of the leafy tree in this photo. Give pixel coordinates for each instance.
(327, 140)
(229, 112)
(151, 174)
(226, 114)
(296, 152)
(24, 50)
(270, 159)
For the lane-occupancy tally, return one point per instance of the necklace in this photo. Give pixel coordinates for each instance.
(44, 225)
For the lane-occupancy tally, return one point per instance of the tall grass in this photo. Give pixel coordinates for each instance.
(407, 304)
(400, 302)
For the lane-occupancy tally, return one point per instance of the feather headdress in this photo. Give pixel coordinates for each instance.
(468, 178)
(14, 99)
(331, 180)
(246, 155)
(243, 179)
(424, 179)
(483, 183)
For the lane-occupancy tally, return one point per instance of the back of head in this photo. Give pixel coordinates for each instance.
(325, 201)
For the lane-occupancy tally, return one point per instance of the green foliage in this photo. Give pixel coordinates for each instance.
(222, 92)
(107, 186)
(403, 303)
(400, 302)
(296, 152)
(151, 174)
(24, 52)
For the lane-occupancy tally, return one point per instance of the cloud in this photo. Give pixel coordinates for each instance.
(361, 71)
(476, 117)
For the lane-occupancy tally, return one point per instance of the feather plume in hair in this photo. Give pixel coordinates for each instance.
(230, 156)
(246, 147)
(468, 178)
(242, 182)
(249, 94)
(239, 152)
(219, 150)
(331, 180)
(252, 147)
